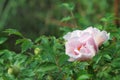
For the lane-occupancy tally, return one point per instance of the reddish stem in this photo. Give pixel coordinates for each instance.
(116, 12)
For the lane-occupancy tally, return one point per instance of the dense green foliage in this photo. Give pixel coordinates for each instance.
(34, 49)
(45, 59)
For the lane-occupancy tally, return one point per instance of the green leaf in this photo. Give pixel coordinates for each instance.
(83, 77)
(115, 62)
(106, 44)
(82, 65)
(107, 56)
(27, 44)
(66, 19)
(104, 20)
(63, 59)
(13, 31)
(99, 27)
(2, 39)
(69, 6)
(97, 58)
(29, 73)
(28, 79)
(18, 41)
(118, 45)
(47, 66)
(6, 54)
(41, 38)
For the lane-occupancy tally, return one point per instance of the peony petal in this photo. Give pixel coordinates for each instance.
(73, 34)
(67, 36)
(71, 45)
(76, 33)
(101, 37)
(71, 59)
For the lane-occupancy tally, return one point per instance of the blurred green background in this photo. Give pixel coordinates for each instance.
(44, 17)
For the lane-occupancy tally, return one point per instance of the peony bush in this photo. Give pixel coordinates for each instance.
(80, 54)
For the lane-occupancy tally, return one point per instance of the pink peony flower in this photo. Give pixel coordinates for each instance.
(83, 44)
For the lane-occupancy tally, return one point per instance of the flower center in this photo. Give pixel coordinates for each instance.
(76, 52)
(78, 48)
